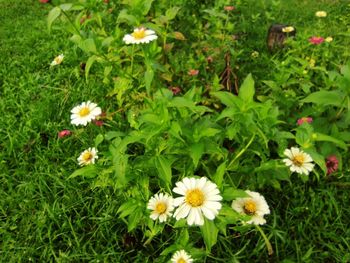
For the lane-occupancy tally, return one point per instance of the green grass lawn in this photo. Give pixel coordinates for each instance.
(44, 217)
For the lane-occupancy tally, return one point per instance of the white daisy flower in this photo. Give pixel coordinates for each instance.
(161, 206)
(254, 206)
(57, 60)
(140, 35)
(200, 196)
(321, 14)
(181, 257)
(84, 113)
(88, 156)
(298, 161)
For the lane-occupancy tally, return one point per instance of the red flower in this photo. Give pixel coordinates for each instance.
(304, 120)
(64, 133)
(332, 164)
(229, 8)
(44, 1)
(175, 90)
(316, 40)
(193, 72)
(98, 123)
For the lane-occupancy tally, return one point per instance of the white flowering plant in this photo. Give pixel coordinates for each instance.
(185, 146)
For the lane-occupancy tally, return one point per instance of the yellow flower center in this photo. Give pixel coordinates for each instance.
(87, 156)
(160, 208)
(84, 112)
(249, 207)
(298, 160)
(139, 33)
(181, 260)
(194, 197)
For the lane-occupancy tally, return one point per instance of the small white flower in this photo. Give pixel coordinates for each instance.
(57, 60)
(321, 14)
(88, 156)
(200, 197)
(84, 113)
(161, 206)
(254, 206)
(298, 161)
(329, 39)
(140, 35)
(288, 29)
(181, 257)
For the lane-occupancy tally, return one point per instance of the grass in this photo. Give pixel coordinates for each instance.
(47, 218)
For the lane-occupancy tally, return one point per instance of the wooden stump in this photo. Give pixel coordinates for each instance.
(277, 35)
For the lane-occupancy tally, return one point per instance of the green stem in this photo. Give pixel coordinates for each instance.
(71, 22)
(132, 59)
(267, 241)
(242, 151)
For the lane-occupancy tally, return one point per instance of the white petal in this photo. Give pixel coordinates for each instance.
(182, 211)
(178, 201)
(208, 213)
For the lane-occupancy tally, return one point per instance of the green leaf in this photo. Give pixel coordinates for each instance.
(88, 45)
(210, 234)
(66, 7)
(163, 166)
(326, 138)
(134, 218)
(88, 65)
(227, 98)
(324, 98)
(99, 138)
(53, 15)
(172, 12)
(219, 174)
(247, 90)
(149, 75)
(231, 193)
(127, 208)
(89, 171)
(196, 152)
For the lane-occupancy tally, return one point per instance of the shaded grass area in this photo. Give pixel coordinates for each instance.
(45, 217)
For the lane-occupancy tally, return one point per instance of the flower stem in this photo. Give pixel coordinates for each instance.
(242, 151)
(267, 241)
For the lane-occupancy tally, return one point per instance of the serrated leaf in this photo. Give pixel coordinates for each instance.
(134, 218)
(53, 15)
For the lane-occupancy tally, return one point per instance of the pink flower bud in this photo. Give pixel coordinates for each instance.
(304, 120)
(332, 164)
(64, 133)
(175, 90)
(229, 8)
(193, 72)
